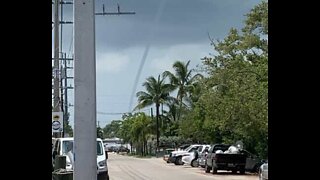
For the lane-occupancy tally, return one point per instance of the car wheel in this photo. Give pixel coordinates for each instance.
(178, 161)
(242, 171)
(194, 163)
(103, 176)
(214, 170)
(207, 168)
(261, 176)
(256, 168)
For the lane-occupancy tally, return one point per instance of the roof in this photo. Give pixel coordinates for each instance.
(72, 138)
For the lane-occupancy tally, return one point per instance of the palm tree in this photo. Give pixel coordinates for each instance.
(141, 129)
(182, 80)
(157, 92)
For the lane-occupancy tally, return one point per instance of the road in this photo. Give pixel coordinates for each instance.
(123, 167)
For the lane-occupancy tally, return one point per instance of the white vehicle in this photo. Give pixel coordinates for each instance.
(64, 147)
(192, 157)
(263, 171)
(176, 156)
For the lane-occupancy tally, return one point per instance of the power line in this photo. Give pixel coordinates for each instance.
(103, 113)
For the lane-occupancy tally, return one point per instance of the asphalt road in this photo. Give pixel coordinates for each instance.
(123, 167)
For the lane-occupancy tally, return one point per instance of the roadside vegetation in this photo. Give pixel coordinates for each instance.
(224, 100)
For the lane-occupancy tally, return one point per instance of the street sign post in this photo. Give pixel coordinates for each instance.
(57, 122)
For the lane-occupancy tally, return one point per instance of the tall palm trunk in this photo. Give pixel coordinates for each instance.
(157, 124)
(180, 107)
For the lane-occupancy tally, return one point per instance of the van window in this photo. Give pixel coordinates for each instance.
(99, 148)
(200, 148)
(68, 145)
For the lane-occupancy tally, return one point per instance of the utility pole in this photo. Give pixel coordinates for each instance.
(85, 130)
(63, 98)
(85, 134)
(56, 100)
(66, 114)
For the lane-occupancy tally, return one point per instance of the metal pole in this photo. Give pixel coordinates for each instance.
(62, 100)
(66, 115)
(85, 149)
(61, 20)
(56, 107)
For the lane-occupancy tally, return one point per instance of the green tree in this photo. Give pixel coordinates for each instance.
(99, 133)
(112, 130)
(182, 80)
(141, 129)
(125, 129)
(157, 92)
(66, 126)
(136, 129)
(235, 93)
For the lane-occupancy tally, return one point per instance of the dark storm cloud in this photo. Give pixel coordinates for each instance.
(180, 34)
(182, 21)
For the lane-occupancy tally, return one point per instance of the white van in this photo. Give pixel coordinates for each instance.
(64, 146)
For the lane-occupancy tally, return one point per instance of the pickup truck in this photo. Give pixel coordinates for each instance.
(224, 161)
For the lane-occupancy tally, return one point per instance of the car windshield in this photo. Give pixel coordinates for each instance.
(68, 146)
(188, 148)
(191, 148)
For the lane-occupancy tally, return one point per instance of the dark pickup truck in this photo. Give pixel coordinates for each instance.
(221, 161)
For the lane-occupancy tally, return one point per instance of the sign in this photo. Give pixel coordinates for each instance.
(57, 121)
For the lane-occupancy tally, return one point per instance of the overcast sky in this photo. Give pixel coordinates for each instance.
(174, 29)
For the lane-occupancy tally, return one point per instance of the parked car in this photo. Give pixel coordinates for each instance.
(122, 149)
(193, 157)
(166, 154)
(112, 149)
(263, 171)
(253, 163)
(176, 156)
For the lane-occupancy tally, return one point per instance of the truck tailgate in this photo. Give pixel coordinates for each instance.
(230, 158)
